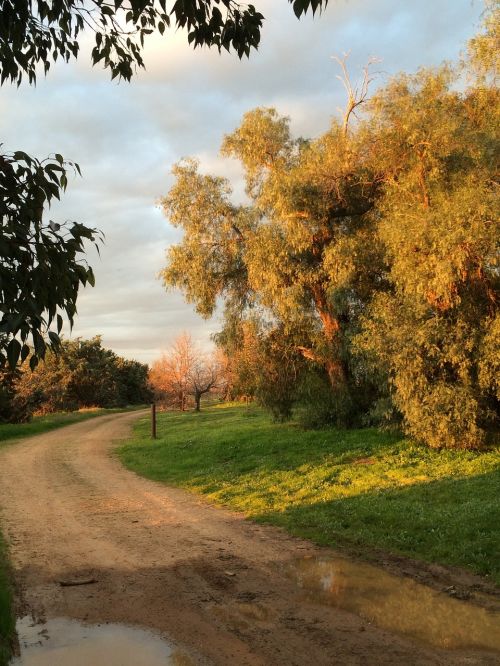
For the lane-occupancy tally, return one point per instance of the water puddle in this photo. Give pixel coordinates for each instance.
(397, 604)
(65, 642)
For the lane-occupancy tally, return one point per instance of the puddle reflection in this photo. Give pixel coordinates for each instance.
(62, 642)
(397, 604)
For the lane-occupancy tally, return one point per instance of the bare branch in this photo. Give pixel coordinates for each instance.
(356, 95)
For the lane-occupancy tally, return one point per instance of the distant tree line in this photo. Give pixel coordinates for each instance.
(81, 374)
(360, 281)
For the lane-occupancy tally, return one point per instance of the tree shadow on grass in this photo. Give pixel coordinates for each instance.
(450, 521)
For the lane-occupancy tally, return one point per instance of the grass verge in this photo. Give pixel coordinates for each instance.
(7, 621)
(10, 432)
(356, 489)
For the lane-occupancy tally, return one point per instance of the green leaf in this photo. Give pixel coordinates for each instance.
(54, 339)
(13, 351)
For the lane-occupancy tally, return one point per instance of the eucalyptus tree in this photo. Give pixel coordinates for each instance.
(436, 331)
(42, 263)
(301, 256)
(374, 245)
(35, 33)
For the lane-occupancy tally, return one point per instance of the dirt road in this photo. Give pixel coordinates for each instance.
(208, 579)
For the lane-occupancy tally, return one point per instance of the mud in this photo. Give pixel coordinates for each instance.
(214, 584)
(397, 604)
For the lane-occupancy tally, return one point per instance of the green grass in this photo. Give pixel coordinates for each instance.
(10, 432)
(358, 490)
(7, 621)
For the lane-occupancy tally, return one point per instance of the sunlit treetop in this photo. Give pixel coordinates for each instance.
(484, 48)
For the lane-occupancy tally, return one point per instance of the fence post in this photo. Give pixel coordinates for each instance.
(153, 420)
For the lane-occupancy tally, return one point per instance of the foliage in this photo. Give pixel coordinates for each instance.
(299, 261)
(483, 52)
(277, 367)
(434, 331)
(262, 365)
(14, 408)
(318, 406)
(371, 251)
(83, 374)
(42, 266)
(35, 33)
(185, 371)
(357, 489)
(132, 379)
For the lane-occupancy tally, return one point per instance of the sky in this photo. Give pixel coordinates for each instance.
(127, 136)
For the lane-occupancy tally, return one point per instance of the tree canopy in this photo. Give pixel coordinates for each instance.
(42, 263)
(370, 252)
(35, 34)
(302, 257)
(82, 374)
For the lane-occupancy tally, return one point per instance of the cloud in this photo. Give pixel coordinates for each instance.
(126, 137)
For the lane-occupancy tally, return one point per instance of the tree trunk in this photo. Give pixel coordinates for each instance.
(336, 373)
(197, 400)
(332, 363)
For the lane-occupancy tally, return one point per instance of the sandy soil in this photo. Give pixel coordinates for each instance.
(164, 559)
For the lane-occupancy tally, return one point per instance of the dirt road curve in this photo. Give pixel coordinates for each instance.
(166, 560)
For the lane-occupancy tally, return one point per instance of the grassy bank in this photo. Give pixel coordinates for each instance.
(10, 432)
(7, 622)
(358, 489)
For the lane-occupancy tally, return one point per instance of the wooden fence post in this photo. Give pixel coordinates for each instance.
(153, 421)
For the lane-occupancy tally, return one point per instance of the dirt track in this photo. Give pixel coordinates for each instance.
(164, 559)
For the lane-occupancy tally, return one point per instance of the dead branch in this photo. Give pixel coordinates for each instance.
(356, 95)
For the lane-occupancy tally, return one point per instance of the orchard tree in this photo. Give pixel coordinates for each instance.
(205, 376)
(185, 372)
(43, 262)
(170, 373)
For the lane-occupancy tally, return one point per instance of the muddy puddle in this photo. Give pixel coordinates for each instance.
(62, 642)
(397, 604)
